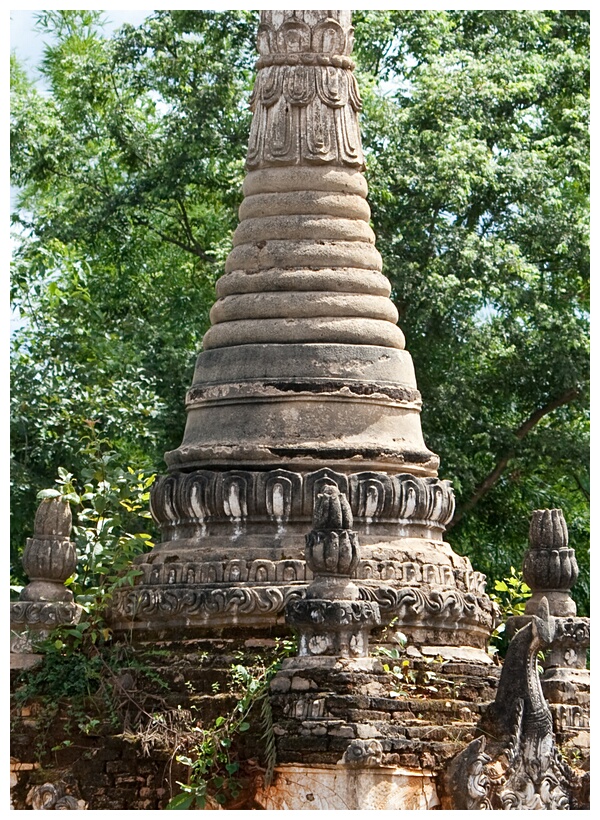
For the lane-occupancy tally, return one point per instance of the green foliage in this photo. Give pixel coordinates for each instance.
(128, 175)
(476, 131)
(475, 128)
(78, 688)
(409, 680)
(511, 595)
(214, 773)
(111, 505)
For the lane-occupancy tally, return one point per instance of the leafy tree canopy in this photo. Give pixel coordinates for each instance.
(475, 127)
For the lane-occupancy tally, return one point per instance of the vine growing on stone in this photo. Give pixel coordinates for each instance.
(214, 777)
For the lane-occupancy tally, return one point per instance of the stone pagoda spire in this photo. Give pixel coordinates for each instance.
(304, 362)
(303, 384)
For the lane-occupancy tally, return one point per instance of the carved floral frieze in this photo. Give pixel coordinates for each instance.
(198, 498)
(204, 603)
(445, 608)
(44, 613)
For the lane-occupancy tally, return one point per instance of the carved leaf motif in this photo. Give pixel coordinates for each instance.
(318, 132)
(293, 37)
(329, 38)
(53, 518)
(354, 93)
(269, 86)
(299, 84)
(332, 86)
(266, 39)
(255, 141)
(280, 144)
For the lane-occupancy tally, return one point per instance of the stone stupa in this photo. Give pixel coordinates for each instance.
(304, 382)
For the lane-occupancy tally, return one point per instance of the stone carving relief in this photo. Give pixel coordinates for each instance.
(184, 501)
(363, 753)
(406, 573)
(305, 99)
(433, 607)
(570, 645)
(49, 559)
(331, 620)
(305, 708)
(259, 571)
(570, 717)
(52, 796)
(549, 565)
(332, 627)
(515, 764)
(44, 614)
(143, 602)
(452, 609)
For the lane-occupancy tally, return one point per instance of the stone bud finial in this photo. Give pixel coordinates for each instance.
(332, 546)
(331, 621)
(53, 518)
(50, 557)
(550, 566)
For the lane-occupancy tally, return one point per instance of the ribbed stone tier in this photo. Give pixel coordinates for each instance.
(304, 364)
(304, 405)
(304, 381)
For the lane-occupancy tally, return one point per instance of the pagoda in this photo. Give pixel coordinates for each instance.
(304, 382)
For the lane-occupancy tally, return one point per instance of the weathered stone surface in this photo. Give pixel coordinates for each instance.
(549, 566)
(49, 559)
(53, 519)
(53, 796)
(304, 274)
(331, 621)
(336, 787)
(303, 382)
(305, 100)
(283, 499)
(515, 764)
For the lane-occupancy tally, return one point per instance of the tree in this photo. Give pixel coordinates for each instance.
(479, 185)
(475, 129)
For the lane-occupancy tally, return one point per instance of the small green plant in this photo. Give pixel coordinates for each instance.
(110, 508)
(409, 680)
(510, 594)
(214, 772)
(109, 503)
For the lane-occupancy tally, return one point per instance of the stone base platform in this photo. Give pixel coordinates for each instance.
(345, 787)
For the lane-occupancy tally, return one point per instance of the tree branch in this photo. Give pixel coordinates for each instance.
(488, 482)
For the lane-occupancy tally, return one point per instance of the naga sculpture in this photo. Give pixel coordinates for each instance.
(515, 764)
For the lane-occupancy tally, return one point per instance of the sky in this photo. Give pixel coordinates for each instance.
(28, 44)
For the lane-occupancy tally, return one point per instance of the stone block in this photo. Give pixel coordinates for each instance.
(342, 731)
(280, 684)
(299, 684)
